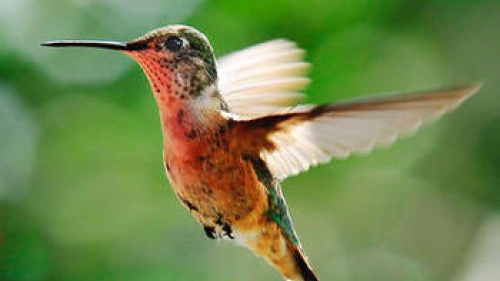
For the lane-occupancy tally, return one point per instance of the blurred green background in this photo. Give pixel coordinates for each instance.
(83, 195)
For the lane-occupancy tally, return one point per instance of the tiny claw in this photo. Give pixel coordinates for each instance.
(228, 231)
(210, 232)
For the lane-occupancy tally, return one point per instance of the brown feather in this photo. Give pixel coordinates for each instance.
(307, 135)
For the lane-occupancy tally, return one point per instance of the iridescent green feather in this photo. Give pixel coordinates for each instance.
(278, 210)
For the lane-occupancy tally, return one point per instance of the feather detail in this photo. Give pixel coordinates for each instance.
(263, 79)
(309, 135)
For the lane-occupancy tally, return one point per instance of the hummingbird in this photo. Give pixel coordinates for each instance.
(233, 129)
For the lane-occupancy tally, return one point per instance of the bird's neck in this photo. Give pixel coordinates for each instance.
(187, 97)
(188, 122)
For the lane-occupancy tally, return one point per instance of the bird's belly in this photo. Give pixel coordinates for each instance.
(218, 189)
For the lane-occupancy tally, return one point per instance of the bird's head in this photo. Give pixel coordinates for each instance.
(178, 61)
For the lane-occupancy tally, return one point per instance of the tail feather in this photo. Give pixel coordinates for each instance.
(302, 265)
(277, 249)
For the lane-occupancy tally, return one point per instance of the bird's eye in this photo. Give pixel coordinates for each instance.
(173, 43)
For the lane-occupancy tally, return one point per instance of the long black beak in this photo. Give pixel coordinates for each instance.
(110, 45)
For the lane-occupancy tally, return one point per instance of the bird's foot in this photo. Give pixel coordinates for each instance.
(220, 231)
(210, 232)
(228, 231)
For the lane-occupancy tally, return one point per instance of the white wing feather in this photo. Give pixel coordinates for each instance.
(355, 127)
(263, 79)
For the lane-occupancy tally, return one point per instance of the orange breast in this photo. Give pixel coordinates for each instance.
(213, 180)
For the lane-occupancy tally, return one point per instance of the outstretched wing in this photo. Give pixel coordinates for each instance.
(263, 79)
(308, 135)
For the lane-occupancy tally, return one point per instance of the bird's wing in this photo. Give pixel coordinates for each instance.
(308, 135)
(263, 79)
